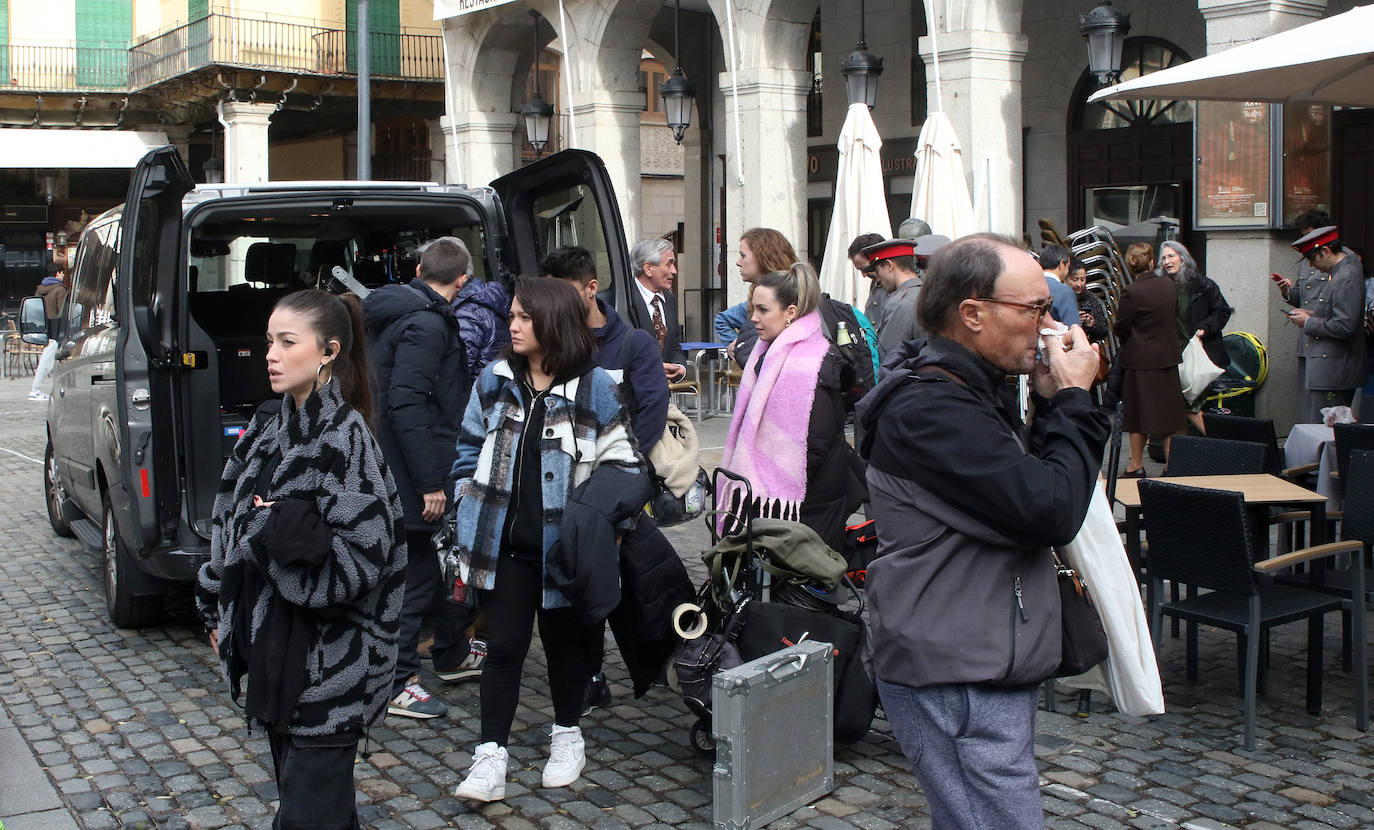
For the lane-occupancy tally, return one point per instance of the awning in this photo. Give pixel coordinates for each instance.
(454, 8)
(29, 147)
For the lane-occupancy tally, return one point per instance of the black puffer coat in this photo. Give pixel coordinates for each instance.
(420, 371)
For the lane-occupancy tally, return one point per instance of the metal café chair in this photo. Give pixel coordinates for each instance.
(1200, 537)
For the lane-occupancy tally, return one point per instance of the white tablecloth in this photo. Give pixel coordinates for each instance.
(1316, 444)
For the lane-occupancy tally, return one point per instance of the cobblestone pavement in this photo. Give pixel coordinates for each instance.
(134, 728)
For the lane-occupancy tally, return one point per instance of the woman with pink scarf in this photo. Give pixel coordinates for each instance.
(787, 434)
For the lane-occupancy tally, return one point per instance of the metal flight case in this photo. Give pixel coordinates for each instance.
(773, 729)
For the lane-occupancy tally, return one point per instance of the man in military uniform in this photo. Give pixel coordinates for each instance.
(1302, 293)
(1329, 309)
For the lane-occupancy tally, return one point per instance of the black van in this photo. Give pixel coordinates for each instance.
(163, 357)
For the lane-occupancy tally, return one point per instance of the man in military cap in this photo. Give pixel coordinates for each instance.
(1332, 323)
(893, 263)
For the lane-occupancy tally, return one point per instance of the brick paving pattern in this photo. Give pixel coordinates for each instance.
(135, 729)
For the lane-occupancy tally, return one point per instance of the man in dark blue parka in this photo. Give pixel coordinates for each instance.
(422, 386)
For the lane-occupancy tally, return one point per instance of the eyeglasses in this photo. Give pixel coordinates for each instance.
(1040, 308)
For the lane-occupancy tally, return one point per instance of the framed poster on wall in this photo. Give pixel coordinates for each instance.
(1234, 177)
(1306, 159)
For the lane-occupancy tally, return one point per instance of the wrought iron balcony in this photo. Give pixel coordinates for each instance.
(64, 68)
(221, 40)
(218, 40)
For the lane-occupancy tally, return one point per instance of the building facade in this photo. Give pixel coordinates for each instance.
(770, 103)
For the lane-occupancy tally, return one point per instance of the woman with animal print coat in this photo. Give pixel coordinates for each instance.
(537, 424)
(302, 593)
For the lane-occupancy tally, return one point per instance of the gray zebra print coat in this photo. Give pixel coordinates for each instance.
(351, 600)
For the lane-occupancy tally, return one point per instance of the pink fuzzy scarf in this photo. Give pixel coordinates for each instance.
(767, 441)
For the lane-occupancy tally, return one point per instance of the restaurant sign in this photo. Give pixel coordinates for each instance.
(898, 159)
(454, 8)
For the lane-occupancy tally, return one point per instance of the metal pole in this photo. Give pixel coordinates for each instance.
(364, 94)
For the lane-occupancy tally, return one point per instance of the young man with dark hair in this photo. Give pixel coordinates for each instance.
(1332, 323)
(632, 357)
(421, 388)
(877, 295)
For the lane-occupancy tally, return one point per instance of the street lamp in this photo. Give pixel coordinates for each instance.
(1105, 30)
(214, 170)
(538, 113)
(677, 92)
(861, 70)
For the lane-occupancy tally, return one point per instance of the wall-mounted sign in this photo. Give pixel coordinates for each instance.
(454, 8)
(1234, 181)
(1306, 159)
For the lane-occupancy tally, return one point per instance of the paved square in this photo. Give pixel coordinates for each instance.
(135, 729)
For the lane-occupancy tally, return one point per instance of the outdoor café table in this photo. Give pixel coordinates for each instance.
(705, 359)
(1257, 488)
(1316, 444)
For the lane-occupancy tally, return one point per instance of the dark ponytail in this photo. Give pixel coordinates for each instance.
(341, 319)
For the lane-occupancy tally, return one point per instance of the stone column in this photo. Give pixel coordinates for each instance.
(179, 136)
(980, 72)
(487, 142)
(1240, 261)
(608, 125)
(449, 170)
(245, 140)
(772, 126)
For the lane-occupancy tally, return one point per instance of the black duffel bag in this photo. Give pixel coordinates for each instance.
(771, 626)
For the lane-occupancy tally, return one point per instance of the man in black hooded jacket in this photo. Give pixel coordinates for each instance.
(422, 387)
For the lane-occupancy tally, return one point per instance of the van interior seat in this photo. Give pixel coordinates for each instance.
(270, 263)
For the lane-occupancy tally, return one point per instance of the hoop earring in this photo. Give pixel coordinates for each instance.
(318, 383)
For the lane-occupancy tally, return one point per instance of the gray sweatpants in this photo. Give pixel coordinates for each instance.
(972, 749)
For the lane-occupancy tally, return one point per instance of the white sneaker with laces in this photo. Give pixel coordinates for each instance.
(486, 779)
(567, 756)
(39, 396)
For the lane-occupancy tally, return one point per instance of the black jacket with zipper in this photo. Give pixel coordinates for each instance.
(968, 503)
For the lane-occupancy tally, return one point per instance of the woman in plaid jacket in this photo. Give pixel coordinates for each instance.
(536, 426)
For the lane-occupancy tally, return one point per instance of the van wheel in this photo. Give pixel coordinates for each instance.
(55, 495)
(126, 609)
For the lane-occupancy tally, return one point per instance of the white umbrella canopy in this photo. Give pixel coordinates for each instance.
(1329, 61)
(860, 206)
(940, 195)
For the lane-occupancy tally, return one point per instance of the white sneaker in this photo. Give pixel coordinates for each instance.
(39, 396)
(567, 757)
(486, 780)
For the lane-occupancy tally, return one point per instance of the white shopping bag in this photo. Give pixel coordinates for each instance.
(1196, 371)
(1130, 671)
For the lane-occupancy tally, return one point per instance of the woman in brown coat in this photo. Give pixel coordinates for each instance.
(1146, 324)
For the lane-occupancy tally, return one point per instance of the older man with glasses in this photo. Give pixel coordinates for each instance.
(968, 500)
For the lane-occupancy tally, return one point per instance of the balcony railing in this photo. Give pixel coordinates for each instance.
(64, 68)
(218, 40)
(290, 47)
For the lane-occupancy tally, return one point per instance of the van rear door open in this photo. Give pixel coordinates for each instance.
(150, 255)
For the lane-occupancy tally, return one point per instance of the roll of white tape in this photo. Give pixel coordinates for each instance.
(682, 614)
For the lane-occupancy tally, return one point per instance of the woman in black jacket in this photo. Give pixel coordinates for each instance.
(1207, 312)
(1091, 313)
(302, 592)
(787, 434)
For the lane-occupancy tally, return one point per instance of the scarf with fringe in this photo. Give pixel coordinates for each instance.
(767, 440)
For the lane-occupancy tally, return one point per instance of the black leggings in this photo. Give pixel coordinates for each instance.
(511, 607)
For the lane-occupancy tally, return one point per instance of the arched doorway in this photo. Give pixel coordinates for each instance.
(1132, 161)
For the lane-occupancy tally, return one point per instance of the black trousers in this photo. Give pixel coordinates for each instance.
(315, 781)
(512, 606)
(451, 620)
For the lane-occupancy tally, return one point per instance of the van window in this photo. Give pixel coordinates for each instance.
(569, 217)
(93, 291)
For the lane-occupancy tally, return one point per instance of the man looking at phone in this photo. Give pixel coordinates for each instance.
(1331, 316)
(1303, 293)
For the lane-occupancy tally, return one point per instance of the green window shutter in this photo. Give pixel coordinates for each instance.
(384, 21)
(103, 31)
(196, 10)
(4, 41)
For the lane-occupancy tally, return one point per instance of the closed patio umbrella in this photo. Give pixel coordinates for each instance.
(940, 195)
(860, 206)
(1329, 61)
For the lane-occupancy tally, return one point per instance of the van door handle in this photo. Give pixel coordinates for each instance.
(102, 378)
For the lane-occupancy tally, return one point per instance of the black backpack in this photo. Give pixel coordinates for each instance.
(862, 351)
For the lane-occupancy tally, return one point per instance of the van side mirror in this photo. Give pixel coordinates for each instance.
(33, 321)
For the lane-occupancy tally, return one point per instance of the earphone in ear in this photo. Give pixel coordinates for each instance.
(328, 351)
